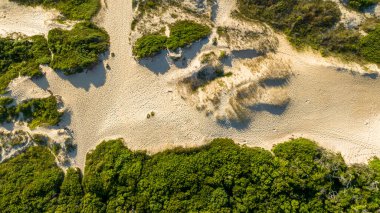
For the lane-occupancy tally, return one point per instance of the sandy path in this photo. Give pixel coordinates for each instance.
(338, 110)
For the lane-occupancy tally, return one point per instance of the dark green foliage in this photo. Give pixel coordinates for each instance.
(183, 33)
(30, 182)
(21, 57)
(71, 194)
(71, 9)
(6, 111)
(370, 45)
(77, 49)
(149, 45)
(361, 4)
(222, 176)
(40, 112)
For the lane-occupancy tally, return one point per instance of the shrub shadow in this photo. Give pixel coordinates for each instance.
(245, 54)
(273, 109)
(189, 53)
(158, 64)
(236, 124)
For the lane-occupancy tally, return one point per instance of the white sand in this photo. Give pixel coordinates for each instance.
(339, 110)
(27, 20)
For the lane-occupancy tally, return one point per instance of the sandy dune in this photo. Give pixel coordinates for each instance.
(27, 20)
(339, 110)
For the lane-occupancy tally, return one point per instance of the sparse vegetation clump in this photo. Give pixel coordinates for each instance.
(77, 49)
(39, 112)
(21, 56)
(71, 9)
(182, 33)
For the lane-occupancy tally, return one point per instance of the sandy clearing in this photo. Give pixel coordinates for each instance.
(339, 110)
(27, 20)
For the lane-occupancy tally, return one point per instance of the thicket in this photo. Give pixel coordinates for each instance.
(71, 9)
(314, 24)
(39, 112)
(30, 182)
(182, 33)
(361, 4)
(297, 176)
(77, 49)
(21, 57)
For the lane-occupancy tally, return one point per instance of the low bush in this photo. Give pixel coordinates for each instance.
(182, 33)
(40, 112)
(77, 49)
(21, 56)
(149, 45)
(361, 4)
(370, 45)
(71, 9)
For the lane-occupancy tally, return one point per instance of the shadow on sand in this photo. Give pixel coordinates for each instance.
(161, 63)
(273, 109)
(245, 54)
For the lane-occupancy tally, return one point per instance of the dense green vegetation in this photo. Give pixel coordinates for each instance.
(30, 182)
(6, 110)
(21, 57)
(149, 45)
(182, 33)
(77, 49)
(73, 51)
(361, 4)
(314, 24)
(71, 9)
(40, 112)
(370, 45)
(297, 176)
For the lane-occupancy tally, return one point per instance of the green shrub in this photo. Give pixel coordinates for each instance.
(361, 4)
(77, 49)
(149, 45)
(183, 33)
(71, 9)
(30, 182)
(40, 112)
(21, 57)
(370, 46)
(6, 111)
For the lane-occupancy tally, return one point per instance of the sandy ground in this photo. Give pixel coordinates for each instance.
(27, 20)
(339, 110)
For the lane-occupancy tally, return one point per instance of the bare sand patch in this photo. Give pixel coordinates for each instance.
(27, 20)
